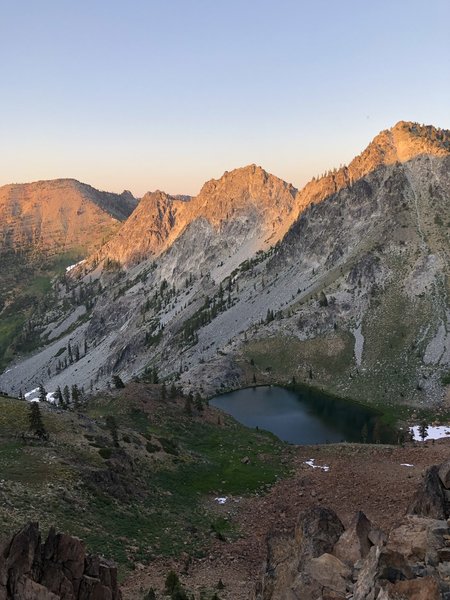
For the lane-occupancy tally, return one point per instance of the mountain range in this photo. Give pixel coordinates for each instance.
(342, 284)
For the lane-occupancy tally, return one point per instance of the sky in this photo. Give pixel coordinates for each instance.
(166, 94)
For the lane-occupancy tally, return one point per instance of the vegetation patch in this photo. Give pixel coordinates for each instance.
(136, 500)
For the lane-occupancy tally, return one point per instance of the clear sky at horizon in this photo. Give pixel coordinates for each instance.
(166, 94)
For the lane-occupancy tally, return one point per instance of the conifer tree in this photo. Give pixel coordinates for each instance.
(117, 381)
(75, 396)
(36, 424)
(42, 393)
(188, 405)
(423, 430)
(59, 397)
(66, 395)
(111, 424)
(198, 402)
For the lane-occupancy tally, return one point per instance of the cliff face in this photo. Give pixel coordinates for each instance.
(354, 295)
(262, 203)
(55, 569)
(55, 216)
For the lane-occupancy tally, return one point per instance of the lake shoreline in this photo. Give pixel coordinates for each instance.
(300, 415)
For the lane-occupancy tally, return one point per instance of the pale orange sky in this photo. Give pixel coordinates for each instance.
(145, 95)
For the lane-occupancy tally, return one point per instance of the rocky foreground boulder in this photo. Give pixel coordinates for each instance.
(322, 561)
(57, 569)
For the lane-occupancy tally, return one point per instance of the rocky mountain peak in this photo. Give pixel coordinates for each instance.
(262, 201)
(147, 231)
(243, 179)
(152, 198)
(242, 189)
(403, 142)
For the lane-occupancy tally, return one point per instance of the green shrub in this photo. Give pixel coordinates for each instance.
(151, 447)
(169, 446)
(105, 453)
(172, 582)
(446, 378)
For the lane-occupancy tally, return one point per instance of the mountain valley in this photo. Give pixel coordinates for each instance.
(123, 317)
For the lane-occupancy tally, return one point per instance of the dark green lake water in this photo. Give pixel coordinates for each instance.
(303, 416)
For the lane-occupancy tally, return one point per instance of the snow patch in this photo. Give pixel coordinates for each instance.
(434, 432)
(51, 398)
(359, 344)
(406, 465)
(221, 500)
(33, 396)
(70, 267)
(311, 461)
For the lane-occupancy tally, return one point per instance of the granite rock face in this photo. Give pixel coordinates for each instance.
(55, 569)
(431, 499)
(323, 561)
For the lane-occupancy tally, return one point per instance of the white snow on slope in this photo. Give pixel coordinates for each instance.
(310, 463)
(434, 432)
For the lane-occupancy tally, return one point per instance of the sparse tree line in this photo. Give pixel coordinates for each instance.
(160, 299)
(211, 307)
(73, 354)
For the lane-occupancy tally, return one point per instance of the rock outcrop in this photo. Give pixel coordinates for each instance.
(322, 561)
(413, 563)
(57, 569)
(431, 497)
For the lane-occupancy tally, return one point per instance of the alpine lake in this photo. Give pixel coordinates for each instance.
(305, 416)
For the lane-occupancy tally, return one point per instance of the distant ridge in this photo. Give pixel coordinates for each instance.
(59, 215)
